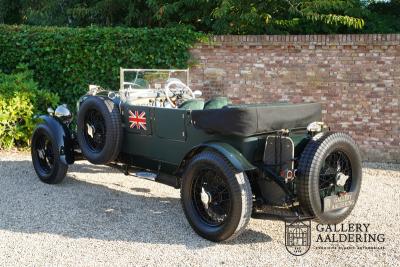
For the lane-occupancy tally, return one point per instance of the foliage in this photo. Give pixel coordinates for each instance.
(383, 17)
(289, 16)
(67, 60)
(20, 99)
(215, 16)
(10, 11)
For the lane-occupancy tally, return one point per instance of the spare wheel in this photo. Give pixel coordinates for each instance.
(330, 166)
(99, 129)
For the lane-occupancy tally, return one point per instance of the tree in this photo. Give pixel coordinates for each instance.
(383, 16)
(215, 16)
(271, 16)
(10, 11)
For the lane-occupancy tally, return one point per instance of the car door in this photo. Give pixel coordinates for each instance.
(169, 124)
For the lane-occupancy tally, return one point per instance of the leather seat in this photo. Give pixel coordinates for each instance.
(217, 102)
(193, 104)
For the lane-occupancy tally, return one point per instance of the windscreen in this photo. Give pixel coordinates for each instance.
(132, 79)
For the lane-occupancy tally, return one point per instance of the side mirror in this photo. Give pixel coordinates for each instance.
(197, 93)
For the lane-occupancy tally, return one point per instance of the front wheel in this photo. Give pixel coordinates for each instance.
(216, 200)
(46, 157)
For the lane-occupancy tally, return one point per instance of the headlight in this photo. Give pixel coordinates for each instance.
(63, 113)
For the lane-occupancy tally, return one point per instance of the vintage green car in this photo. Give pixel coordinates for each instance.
(229, 161)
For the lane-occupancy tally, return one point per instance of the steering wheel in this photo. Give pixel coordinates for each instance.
(181, 90)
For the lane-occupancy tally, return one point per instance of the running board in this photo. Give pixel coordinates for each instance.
(146, 175)
(159, 178)
(280, 213)
(163, 178)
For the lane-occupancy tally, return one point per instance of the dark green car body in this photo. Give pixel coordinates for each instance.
(230, 161)
(171, 138)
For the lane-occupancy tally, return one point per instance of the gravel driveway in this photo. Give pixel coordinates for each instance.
(98, 216)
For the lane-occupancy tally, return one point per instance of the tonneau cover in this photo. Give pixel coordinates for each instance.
(246, 120)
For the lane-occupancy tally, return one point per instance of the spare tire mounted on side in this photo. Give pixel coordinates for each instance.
(99, 130)
(330, 165)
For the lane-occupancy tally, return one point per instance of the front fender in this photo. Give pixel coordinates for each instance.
(62, 136)
(238, 161)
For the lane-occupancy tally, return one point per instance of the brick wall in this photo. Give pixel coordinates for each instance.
(355, 77)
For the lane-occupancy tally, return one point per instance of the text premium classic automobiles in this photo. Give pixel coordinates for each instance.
(230, 161)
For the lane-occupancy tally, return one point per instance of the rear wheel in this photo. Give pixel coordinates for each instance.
(46, 157)
(216, 200)
(330, 166)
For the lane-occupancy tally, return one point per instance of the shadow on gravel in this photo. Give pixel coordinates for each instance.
(79, 209)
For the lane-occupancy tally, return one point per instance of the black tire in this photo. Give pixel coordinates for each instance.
(99, 130)
(229, 197)
(46, 157)
(312, 181)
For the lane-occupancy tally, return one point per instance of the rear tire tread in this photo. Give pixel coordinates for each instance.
(243, 188)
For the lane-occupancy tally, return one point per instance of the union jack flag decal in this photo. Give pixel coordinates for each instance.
(137, 120)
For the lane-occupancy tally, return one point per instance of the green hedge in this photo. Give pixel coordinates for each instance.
(20, 99)
(67, 60)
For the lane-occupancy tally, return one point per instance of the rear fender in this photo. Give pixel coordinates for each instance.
(238, 161)
(62, 136)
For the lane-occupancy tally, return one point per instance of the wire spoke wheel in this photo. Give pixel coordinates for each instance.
(217, 200)
(95, 130)
(211, 197)
(44, 151)
(46, 154)
(335, 175)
